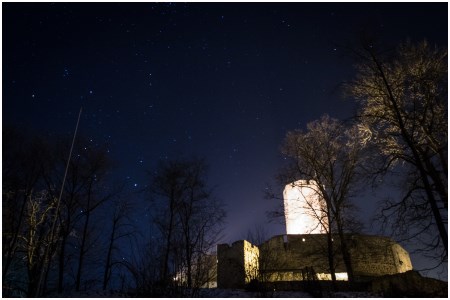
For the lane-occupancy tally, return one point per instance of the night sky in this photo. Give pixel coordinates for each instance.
(221, 81)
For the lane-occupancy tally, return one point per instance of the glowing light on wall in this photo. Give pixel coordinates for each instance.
(251, 261)
(303, 208)
(343, 276)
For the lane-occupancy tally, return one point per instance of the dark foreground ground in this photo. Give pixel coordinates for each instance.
(410, 285)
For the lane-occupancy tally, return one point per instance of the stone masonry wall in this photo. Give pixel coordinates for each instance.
(285, 257)
(371, 255)
(377, 256)
(296, 252)
(237, 264)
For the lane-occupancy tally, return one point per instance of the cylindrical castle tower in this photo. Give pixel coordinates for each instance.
(304, 210)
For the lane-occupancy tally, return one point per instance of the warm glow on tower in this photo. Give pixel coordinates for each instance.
(303, 208)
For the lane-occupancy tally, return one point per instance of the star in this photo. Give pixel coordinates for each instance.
(66, 72)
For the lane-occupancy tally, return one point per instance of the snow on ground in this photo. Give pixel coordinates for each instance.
(215, 293)
(237, 293)
(89, 294)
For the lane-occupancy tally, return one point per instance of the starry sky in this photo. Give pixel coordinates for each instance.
(224, 81)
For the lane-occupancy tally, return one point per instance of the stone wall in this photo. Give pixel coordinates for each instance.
(236, 264)
(371, 255)
(377, 256)
(286, 257)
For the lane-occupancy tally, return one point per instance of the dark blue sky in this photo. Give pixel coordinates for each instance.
(224, 81)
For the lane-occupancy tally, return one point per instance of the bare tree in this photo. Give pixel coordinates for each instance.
(25, 157)
(22, 173)
(268, 263)
(258, 235)
(84, 191)
(200, 217)
(167, 190)
(37, 164)
(94, 168)
(69, 211)
(329, 153)
(121, 228)
(404, 107)
(145, 267)
(37, 237)
(188, 216)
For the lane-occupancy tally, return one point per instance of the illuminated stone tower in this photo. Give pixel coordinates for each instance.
(288, 257)
(303, 208)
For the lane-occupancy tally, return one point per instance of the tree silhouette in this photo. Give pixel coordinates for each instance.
(330, 154)
(188, 216)
(404, 108)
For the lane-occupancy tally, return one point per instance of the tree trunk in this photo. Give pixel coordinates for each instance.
(32, 285)
(331, 259)
(189, 266)
(47, 271)
(11, 247)
(330, 246)
(346, 255)
(62, 254)
(418, 161)
(436, 178)
(108, 256)
(82, 252)
(169, 237)
(188, 242)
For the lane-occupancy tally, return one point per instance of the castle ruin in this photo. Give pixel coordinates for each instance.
(292, 257)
